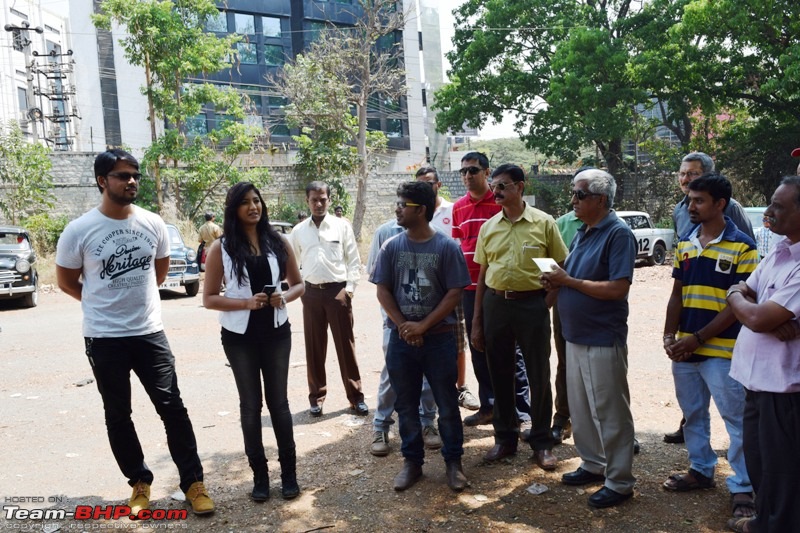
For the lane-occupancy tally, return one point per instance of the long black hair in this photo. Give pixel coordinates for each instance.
(236, 242)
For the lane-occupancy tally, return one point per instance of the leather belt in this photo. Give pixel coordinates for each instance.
(444, 328)
(517, 295)
(328, 285)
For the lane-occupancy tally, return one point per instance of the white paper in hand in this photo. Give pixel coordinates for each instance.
(545, 264)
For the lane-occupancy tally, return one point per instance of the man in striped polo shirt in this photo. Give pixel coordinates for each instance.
(470, 212)
(699, 334)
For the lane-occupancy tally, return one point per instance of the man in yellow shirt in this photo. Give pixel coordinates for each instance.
(510, 309)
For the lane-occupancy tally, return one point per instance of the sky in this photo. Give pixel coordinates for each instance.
(489, 130)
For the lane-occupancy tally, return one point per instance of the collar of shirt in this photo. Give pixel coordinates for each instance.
(785, 244)
(489, 196)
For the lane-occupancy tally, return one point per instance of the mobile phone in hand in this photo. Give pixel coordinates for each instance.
(269, 289)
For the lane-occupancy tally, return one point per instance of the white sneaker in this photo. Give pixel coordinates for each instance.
(467, 400)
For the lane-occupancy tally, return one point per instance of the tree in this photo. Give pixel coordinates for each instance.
(560, 66)
(25, 172)
(339, 76)
(168, 39)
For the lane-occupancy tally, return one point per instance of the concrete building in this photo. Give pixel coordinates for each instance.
(106, 106)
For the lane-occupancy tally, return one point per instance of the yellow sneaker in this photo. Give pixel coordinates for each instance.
(140, 499)
(199, 498)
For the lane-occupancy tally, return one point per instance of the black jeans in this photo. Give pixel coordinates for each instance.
(149, 356)
(252, 362)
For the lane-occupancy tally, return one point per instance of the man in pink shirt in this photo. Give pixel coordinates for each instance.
(766, 360)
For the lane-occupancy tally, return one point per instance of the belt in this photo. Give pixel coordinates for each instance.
(328, 285)
(517, 295)
(444, 328)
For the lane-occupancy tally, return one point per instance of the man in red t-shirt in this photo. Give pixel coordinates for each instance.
(470, 212)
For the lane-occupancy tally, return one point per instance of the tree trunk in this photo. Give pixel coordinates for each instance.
(363, 172)
(612, 153)
(153, 134)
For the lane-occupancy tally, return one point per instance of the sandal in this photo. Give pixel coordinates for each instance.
(692, 480)
(740, 525)
(743, 505)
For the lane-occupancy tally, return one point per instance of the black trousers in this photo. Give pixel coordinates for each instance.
(506, 325)
(771, 445)
(150, 358)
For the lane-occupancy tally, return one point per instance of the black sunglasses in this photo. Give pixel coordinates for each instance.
(471, 170)
(125, 176)
(583, 195)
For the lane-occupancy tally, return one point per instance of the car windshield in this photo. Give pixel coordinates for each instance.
(756, 216)
(175, 239)
(14, 242)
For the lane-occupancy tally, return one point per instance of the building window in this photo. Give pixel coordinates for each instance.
(374, 124)
(394, 128)
(279, 130)
(196, 125)
(253, 94)
(273, 55)
(254, 121)
(272, 26)
(245, 24)
(313, 30)
(247, 53)
(22, 98)
(218, 23)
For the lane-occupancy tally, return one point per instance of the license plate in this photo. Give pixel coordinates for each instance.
(171, 284)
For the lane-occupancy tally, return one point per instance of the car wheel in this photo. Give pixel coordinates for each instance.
(659, 254)
(192, 288)
(31, 299)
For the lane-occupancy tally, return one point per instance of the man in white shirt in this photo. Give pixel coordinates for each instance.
(326, 248)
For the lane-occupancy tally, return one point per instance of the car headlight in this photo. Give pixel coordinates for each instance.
(22, 265)
(191, 255)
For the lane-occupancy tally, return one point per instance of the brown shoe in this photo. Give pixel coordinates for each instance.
(545, 459)
(456, 479)
(409, 475)
(500, 451)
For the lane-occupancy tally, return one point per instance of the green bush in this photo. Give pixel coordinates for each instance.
(283, 211)
(45, 231)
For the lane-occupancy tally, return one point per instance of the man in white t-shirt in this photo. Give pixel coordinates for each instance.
(443, 221)
(112, 259)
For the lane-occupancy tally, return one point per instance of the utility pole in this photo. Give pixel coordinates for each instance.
(33, 112)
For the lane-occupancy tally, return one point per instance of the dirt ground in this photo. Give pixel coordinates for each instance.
(55, 453)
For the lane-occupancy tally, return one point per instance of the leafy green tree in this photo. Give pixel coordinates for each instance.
(560, 66)
(331, 85)
(168, 39)
(25, 172)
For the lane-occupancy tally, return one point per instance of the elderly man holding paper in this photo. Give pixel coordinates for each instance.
(510, 308)
(593, 304)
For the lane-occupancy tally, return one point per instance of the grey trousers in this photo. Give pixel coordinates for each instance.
(599, 401)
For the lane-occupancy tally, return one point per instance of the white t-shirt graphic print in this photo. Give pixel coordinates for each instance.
(117, 257)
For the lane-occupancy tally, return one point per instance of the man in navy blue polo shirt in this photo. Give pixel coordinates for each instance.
(593, 304)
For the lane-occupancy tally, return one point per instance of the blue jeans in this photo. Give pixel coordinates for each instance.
(695, 385)
(480, 366)
(436, 360)
(387, 397)
(149, 356)
(251, 363)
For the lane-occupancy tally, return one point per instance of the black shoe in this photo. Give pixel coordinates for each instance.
(677, 436)
(409, 475)
(606, 497)
(360, 408)
(561, 433)
(636, 447)
(315, 411)
(456, 479)
(582, 477)
(289, 488)
(260, 486)
(481, 418)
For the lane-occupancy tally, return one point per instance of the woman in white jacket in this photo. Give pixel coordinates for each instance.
(252, 259)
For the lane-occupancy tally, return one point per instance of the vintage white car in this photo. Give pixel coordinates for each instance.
(653, 243)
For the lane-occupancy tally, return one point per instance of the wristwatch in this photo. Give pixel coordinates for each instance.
(732, 290)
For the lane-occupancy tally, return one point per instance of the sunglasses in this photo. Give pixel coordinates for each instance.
(403, 205)
(501, 186)
(583, 195)
(471, 170)
(125, 176)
